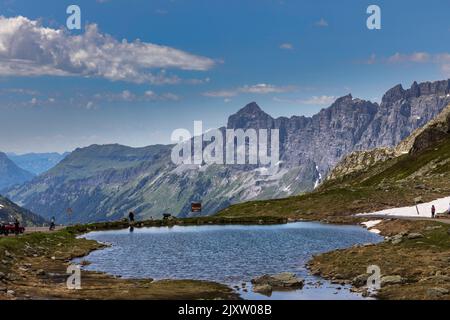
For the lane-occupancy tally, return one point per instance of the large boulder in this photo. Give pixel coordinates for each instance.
(391, 280)
(285, 280)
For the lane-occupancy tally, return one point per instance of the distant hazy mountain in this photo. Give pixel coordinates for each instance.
(11, 174)
(9, 211)
(105, 182)
(37, 163)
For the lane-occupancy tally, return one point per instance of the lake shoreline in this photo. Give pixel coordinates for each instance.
(29, 282)
(311, 288)
(413, 260)
(35, 267)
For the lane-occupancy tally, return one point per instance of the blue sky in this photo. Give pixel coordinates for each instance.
(199, 60)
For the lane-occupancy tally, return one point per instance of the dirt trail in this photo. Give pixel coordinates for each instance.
(41, 229)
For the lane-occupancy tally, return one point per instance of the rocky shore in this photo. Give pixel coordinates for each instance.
(414, 261)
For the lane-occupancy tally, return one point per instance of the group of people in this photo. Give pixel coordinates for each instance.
(6, 229)
(433, 211)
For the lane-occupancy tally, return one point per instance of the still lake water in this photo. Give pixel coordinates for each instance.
(228, 254)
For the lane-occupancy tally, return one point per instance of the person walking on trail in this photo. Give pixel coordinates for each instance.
(433, 211)
(131, 216)
(52, 224)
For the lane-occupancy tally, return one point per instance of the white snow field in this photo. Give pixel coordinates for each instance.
(422, 210)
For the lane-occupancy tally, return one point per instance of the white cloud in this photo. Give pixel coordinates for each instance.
(128, 96)
(261, 88)
(287, 46)
(314, 100)
(29, 49)
(322, 23)
(440, 59)
(414, 57)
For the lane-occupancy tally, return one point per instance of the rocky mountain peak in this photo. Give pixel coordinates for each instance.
(251, 108)
(344, 99)
(251, 116)
(394, 94)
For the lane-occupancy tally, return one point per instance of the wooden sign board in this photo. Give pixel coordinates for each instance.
(196, 207)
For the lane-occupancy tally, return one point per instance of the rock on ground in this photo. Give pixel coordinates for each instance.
(281, 281)
(390, 280)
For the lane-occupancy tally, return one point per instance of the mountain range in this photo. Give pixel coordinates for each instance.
(37, 163)
(105, 182)
(11, 174)
(416, 170)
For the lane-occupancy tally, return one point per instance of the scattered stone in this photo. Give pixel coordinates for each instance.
(390, 280)
(8, 254)
(437, 292)
(361, 280)
(2, 276)
(431, 228)
(3, 290)
(10, 292)
(397, 238)
(283, 280)
(262, 288)
(40, 272)
(414, 236)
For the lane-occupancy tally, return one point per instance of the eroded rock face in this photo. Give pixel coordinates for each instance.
(434, 131)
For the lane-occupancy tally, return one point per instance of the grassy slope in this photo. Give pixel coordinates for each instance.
(396, 182)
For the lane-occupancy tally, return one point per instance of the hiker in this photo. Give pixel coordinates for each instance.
(52, 224)
(131, 216)
(433, 211)
(16, 227)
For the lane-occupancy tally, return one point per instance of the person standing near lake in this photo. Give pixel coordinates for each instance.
(131, 216)
(433, 211)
